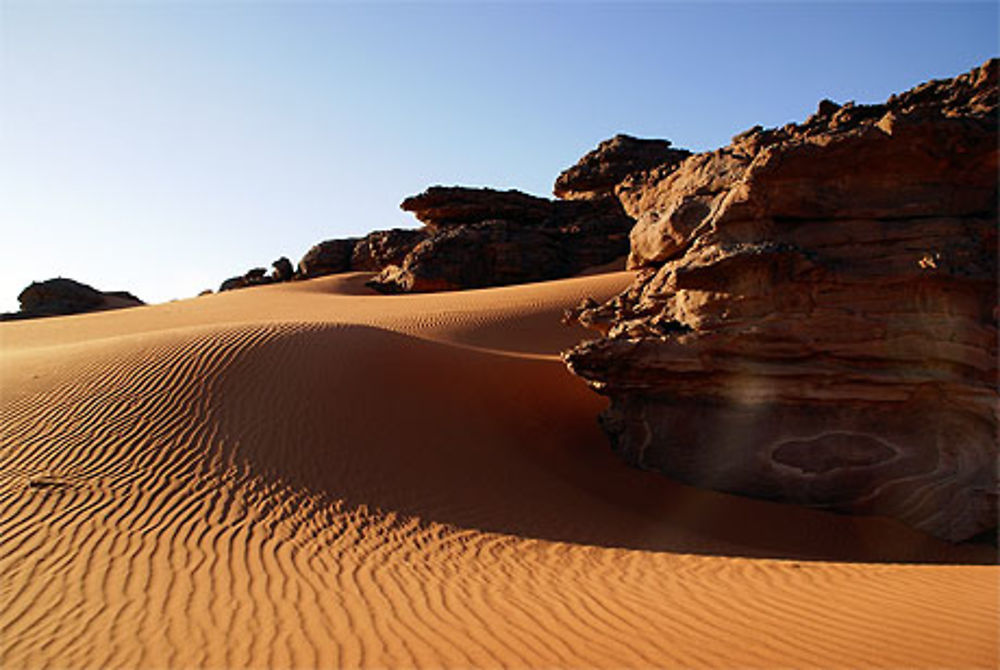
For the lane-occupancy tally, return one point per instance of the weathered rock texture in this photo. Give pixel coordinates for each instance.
(62, 296)
(815, 320)
(383, 248)
(478, 237)
(446, 206)
(598, 173)
(328, 257)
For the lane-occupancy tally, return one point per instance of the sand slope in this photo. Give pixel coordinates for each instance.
(304, 475)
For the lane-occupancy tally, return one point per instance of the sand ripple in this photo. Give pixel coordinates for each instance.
(408, 490)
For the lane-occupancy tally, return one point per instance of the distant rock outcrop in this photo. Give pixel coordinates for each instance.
(815, 318)
(282, 270)
(479, 237)
(447, 206)
(328, 257)
(253, 277)
(383, 248)
(62, 296)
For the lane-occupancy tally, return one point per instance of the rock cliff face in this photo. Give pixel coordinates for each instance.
(815, 316)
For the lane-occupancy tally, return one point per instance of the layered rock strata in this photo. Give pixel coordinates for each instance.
(815, 314)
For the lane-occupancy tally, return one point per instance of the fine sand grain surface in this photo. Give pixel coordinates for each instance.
(306, 475)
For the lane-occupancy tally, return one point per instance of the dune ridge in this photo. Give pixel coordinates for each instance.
(306, 476)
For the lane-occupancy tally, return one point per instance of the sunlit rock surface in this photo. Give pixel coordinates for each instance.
(815, 316)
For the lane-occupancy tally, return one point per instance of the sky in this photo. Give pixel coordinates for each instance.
(161, 147)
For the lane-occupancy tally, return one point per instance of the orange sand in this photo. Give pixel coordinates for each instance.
(305, 475)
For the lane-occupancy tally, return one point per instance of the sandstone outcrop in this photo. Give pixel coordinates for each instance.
(597, 174)
(382, 248)
(367, 254)
(328, 257)
(252, 277)
(815, 316)
(62, 296)
(282, 270)
(479, 237)
(444, 206)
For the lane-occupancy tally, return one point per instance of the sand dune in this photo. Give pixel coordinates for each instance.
(306, 475)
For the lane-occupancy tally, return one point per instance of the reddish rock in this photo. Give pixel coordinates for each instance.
(815, 320)
(597, 174)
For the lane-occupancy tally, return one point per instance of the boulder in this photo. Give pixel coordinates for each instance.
(62, 296)
(282, 270)
(597, 174)
(233, 283)
(815, 315)
(329, 257)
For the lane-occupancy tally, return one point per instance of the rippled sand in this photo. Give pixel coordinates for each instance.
(305, 475)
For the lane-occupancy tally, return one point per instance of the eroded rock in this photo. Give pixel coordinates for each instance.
(481, 237)
(815, 314)
(282, 270)
(328, 257)
(597, 174)
(444, 206)
(62, 296)
(383, 248)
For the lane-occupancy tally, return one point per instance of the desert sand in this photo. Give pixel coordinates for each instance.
(307, 475)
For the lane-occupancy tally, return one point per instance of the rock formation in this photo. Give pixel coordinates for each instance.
(478, 237)
(815, 314)
(282, 270)
(62, 296)
(328, 257)
(445, 206)
(598, 173)
(252, 277)
(383, 248)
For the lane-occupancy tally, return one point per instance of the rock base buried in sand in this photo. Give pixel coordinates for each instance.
(62, 296)
(479, 237)
(815, 315)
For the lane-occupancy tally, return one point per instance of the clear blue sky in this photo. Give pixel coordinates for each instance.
(162, 147)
